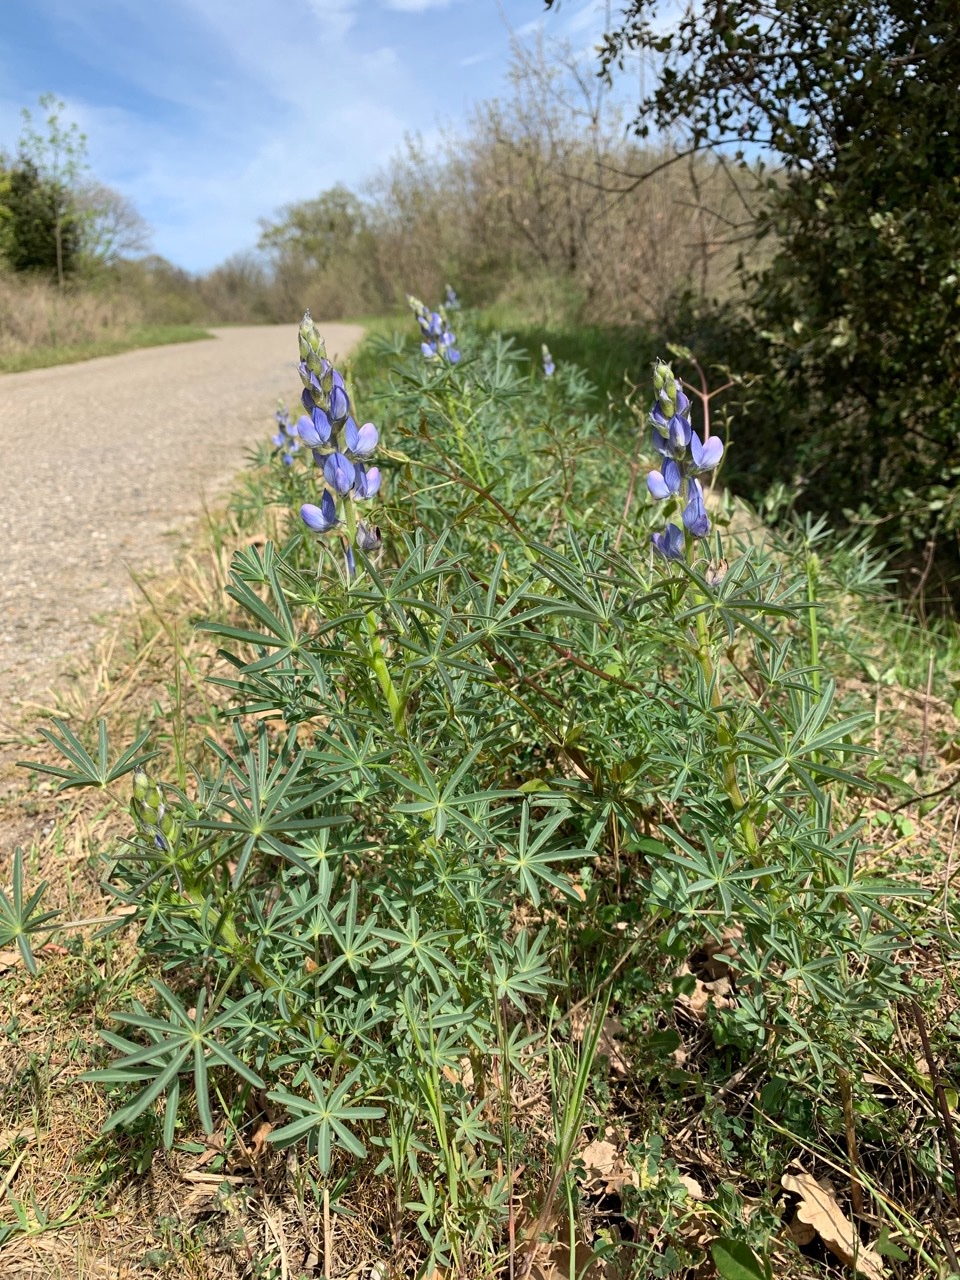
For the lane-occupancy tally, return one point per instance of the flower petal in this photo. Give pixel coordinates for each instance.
(695, 513)
(658, 486)
(339, 404)
(339, 471)
(321, 518)
(367, 483)
(712, 453)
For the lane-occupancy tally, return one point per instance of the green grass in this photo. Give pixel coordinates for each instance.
(607, 355)
(152, 335)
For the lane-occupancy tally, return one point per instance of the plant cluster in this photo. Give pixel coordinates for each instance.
(858, 313)
(481, 780)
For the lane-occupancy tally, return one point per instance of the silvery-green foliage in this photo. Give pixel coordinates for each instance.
(349, 905)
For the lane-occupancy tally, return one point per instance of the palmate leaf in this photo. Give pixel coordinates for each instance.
(20, 918)
(523, 971)
(261, 803)
(87, 771)
(324, 1119)
(186, 1040)
(532, 859)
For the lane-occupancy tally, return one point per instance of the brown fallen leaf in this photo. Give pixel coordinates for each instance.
(258, 1143)
(605, 1167)
(691, 1186)
(718, 994)
(819, 1209)
(9, 960)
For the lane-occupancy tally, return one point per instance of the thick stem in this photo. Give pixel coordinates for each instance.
(375, 655)
(725, 739)
(813, 566)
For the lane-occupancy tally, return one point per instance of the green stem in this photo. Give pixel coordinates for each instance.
(813, 568)
(375, 654)
(731, 784)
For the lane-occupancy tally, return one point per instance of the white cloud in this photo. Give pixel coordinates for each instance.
(416, 6)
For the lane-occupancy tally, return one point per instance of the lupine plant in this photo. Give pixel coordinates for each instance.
(476, 766)
(286, 439)
(437, 340)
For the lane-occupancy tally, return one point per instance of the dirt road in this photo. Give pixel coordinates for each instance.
(104, 464)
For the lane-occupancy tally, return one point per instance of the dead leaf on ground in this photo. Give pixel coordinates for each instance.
(258, 1143)
(718, 994)
(691, 1185)
(606, 1169)
(819, 1209)
(10, 960)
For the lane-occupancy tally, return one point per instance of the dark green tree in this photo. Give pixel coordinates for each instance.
(39, 235)
(856, 104)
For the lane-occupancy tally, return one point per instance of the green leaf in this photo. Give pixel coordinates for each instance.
(735, 1260)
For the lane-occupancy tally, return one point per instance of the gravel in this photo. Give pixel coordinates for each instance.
(106, 464)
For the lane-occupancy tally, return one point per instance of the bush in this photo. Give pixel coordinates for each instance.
(482, 766)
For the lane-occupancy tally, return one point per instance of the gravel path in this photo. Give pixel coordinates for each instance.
(105, 464)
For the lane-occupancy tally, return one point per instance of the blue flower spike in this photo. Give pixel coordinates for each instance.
(685, 456)
(338, 444)
(438, 342)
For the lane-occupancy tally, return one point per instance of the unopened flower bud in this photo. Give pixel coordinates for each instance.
(368, 536)
(312, 348)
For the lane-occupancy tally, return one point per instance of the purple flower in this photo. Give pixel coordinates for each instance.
(279, 440)
(429, 349)
(340, 472)
(680, 434)
(366, 483)
(361, 442)
(669, 543)
(705, 456)
(665, 484)
(339, 404)
(453, 355)
(308, 377)
(315, 429)
(695, 513)
(321, 518)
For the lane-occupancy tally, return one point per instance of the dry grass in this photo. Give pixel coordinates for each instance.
(36, 314)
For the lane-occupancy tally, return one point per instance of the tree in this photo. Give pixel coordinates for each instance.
(316, 232)
(111, 226)
(56, 159)
(856, 101)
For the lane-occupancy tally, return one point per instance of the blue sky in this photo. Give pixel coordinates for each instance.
(212, 113)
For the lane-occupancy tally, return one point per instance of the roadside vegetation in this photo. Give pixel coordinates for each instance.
(541, 905)
(521, 839)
